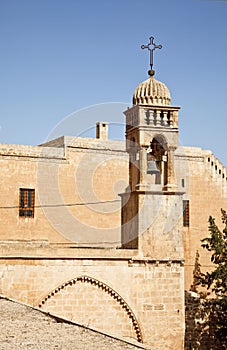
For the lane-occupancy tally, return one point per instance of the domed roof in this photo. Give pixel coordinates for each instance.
(152, 92)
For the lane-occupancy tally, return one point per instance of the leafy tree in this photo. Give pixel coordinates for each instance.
(196, 274)
(216, 280)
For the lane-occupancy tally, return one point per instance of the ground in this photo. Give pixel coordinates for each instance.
(23, 327)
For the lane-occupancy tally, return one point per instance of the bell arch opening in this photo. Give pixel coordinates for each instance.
(156, 159)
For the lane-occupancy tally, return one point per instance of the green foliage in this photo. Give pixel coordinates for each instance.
(216, 280)
(217, 244)
(196, 274)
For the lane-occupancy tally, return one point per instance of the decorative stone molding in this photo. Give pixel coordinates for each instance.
(105, 288)
(151, 91)
(141, 262)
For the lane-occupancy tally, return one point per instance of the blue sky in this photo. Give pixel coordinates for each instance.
(61, 56)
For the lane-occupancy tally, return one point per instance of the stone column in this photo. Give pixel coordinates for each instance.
(163, 169)
(131, 162)
(175, 119)
(143, 165)
(158, 118)
(165, 119)
(141, 186)
(171, 119)
(171, 180)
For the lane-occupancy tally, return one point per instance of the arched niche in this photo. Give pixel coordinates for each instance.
(92, 303)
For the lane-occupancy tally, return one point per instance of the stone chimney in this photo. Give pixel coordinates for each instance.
(102, 131)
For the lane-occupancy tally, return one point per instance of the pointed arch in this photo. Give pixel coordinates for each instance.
(104, 287)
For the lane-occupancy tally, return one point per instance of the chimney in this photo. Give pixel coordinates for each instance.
(102, 131)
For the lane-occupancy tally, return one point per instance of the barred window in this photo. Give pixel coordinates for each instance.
(26, 202)
(186, 213)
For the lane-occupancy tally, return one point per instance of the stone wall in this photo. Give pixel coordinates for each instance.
(129, 297)
(77, 204)
(23, 327)
(74, 207)
(205, 186)
(71, 203)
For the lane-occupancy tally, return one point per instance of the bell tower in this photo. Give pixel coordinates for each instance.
(152, 205)
(152, 137)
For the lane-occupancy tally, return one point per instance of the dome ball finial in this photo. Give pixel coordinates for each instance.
(151, 72)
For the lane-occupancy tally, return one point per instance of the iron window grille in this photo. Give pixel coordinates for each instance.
(26, 202)
(186, 218)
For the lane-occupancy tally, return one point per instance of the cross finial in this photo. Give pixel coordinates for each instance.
(151, 47)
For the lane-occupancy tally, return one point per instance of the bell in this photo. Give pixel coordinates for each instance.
(152, 167)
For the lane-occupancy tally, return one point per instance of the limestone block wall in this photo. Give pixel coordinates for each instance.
(24, 327)
(152, 223)
(160, 225)
(129, 220)
(132, 298)
(205, 186)
(22, 151)
(76, 184)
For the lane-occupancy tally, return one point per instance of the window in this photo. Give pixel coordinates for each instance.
(26, 202)
(186, 213)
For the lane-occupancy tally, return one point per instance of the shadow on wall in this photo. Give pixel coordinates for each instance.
(201, 332)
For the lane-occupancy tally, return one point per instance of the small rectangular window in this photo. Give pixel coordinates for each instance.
(186, 213)
(26, 202)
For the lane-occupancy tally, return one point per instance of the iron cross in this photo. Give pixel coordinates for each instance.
(151, 47)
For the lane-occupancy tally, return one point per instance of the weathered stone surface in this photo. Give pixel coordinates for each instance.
(23, 327)
(125, 297)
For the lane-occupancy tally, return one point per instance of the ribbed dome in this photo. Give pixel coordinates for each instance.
(152, 92)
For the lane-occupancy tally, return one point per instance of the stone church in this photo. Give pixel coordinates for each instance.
(77, 243)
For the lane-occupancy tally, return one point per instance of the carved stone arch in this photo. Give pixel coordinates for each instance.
(161, 139)
(84, 279)
(158, 147)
